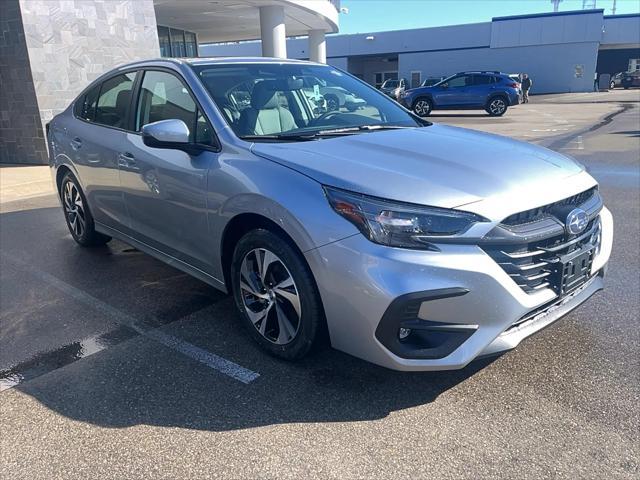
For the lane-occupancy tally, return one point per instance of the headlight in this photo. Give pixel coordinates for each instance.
(399, 224)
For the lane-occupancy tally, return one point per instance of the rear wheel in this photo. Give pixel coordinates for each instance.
(422, 107)
(77, 214)
(497, 107)
(276, 295)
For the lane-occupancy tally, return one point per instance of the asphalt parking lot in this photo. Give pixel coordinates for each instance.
(115, 365)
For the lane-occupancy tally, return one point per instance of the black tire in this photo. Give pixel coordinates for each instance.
(76, 214)
(311, 320)
(422, 107)
(497, 106)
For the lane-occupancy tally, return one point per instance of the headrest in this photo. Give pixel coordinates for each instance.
(264, 95)
(122, 100)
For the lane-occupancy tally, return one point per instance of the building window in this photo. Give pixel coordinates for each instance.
(165, 42)
(191, 45)
(416, 79)
(177, 43)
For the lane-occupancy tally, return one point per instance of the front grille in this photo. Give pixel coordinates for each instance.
(534, 214)
(536, 265)
(533, 247)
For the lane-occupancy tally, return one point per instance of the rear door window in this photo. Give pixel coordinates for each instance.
(482, 79)
(113, 103)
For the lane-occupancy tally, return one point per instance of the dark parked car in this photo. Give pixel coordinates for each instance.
(491, 91)
(631, 79)
(616, 80)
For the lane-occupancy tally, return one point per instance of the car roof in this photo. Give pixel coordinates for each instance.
(216, 61)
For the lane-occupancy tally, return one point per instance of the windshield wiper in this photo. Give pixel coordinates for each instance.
(298, 137)
(308, 136)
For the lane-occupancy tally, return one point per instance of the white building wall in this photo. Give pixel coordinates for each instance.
(551, 67)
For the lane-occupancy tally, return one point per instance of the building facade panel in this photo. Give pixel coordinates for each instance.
(21, 136)
(72, 42)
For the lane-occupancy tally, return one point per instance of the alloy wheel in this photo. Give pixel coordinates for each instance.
(270, 296)
(74, 209)
(497, 106)
(422, 108)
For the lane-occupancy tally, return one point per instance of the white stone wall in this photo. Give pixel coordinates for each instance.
(72, 42)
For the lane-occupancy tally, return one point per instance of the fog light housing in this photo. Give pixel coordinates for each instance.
(403, 333)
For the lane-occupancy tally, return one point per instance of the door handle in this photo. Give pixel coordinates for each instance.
(127, 160)
(76, 143)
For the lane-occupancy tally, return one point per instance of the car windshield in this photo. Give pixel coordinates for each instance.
(285, 102)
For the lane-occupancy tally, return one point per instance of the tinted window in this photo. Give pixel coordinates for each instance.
(113, 103)
(482, 79)
(461, 81)
(163, 96)
(85, 107)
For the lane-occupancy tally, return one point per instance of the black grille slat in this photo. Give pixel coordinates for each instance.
(533, 261)
(529, 216)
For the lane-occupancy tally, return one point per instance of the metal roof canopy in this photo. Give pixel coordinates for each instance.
(234, 20)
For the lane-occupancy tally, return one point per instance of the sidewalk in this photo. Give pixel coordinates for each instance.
(20, 182)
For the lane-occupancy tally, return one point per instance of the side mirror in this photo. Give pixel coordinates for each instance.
(171, 133)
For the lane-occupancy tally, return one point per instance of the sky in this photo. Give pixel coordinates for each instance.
(380, 15)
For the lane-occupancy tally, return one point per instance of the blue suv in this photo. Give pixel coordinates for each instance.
(491, 91)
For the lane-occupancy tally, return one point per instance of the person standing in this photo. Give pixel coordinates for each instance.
(526, 86)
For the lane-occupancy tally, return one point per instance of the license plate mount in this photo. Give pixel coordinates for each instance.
(574, 269)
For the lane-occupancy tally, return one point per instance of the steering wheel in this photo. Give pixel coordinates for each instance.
(325, 116)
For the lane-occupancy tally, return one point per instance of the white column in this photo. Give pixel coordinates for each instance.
(317, 46)
(272, 32)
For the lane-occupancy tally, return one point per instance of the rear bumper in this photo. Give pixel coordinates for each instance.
(459, 302)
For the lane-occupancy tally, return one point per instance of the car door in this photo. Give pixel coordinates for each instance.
(165, 190)
(478, 92)
(455, 92)
(99, 128)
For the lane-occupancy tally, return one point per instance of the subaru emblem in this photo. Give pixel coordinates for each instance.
(577, 221)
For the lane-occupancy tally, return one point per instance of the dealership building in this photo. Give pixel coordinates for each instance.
(561, 51)
(51, 49)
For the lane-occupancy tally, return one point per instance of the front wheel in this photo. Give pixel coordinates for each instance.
(77, 214)
(276, 295)
(497, 107)
(422, 107)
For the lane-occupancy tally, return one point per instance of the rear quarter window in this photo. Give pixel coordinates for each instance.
(85, 107)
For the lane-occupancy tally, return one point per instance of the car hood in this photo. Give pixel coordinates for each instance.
(437, 165)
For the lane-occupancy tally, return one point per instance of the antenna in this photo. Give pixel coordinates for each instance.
(556, 4)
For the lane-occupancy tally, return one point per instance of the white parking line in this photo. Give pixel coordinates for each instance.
(209, 359)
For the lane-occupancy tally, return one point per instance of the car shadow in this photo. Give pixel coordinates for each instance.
(459, 115)
(138, 381)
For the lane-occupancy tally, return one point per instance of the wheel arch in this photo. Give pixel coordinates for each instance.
(423, 96)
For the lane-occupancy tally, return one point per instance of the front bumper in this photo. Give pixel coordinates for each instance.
(359, 282)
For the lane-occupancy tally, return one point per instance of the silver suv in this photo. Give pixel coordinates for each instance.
(415, 246)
